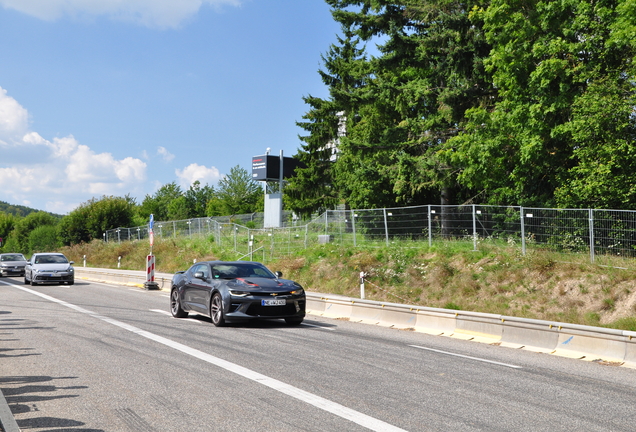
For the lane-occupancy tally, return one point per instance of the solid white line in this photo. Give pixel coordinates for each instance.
(467, 357)
(302, 395)
(161, 311)
(317, 326)
(170, 315)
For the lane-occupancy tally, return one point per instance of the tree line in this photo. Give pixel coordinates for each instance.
(502, 102)
(236, 193)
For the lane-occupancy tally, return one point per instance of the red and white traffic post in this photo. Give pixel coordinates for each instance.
(150, 283)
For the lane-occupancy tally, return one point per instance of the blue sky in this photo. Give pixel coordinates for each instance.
(112, 97)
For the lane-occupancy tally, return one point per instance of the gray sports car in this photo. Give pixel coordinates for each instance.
(236, 291)
(12, 264)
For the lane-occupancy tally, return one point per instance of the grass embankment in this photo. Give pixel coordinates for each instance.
(451, 275)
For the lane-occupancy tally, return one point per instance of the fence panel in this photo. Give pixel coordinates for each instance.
(605, 235)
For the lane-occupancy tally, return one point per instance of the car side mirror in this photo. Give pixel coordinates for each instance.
(199, 275)
(71, 262)
(279, 274)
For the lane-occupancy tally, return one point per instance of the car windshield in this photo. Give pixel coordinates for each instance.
(50, 259)
(232, 271)
(12, 258)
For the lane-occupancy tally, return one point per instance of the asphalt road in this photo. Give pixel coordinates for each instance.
(98, 357)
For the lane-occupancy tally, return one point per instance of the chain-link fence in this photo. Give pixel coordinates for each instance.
(604, 235)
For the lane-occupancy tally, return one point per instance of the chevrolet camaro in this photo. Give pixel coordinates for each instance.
(236, 291)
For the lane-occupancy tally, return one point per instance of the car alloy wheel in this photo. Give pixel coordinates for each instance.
(175, 305)
(216, 310)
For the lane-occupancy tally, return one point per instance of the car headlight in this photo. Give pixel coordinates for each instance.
(236, 293)
(71, 269)
(298, 289)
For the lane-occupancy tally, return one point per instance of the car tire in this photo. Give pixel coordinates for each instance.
(175, 305)
(294, 320)
(26, 281)
(216, 310)
(33, 283)
(71, 282)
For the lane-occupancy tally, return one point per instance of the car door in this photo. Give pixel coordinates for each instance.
(199, 288)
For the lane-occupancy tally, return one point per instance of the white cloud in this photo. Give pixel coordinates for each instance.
(57, 175)
(167, 156)
(13, 117)
(194, 172)
(151, 13)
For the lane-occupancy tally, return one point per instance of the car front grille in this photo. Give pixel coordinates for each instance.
(256, 309)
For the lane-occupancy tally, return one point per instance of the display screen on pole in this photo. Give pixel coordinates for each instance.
(267, 167)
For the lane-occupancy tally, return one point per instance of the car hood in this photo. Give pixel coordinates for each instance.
(263, 284)
(51, 267)
(14, 263)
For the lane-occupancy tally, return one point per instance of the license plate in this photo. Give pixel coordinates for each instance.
(274, 302)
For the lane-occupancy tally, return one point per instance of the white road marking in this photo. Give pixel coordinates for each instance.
(467, 357)
(170, 315)
(302, 395)
(317, 326)
(161, 311)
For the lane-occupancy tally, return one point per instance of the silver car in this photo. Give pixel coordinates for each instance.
(49, 267)
(12, 264)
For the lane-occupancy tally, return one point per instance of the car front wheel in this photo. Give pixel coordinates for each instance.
(216, 310)
(175, 305)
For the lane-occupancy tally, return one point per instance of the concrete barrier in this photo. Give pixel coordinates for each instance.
(435, 321)
(314, 305)
(533, 335)
(593, 343)
(480, 327)
(397, 316)
(337, 308)
(365, 312)
(630, 348)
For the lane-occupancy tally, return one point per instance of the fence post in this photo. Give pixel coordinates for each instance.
(523, 233)
(306, 234)
(353, 226)
(326, 221)
(386, 228)
(591, 212)
(474, 229)
(430, 232)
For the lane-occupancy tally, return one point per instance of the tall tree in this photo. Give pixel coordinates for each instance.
(552, 62)
(313, 188)
(406, 102)
(237, 193)
(93, 218)
(159, 203)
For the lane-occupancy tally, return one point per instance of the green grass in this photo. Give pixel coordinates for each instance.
(497, 278)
